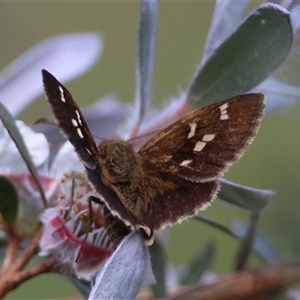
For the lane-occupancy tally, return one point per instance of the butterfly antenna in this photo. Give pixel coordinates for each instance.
(98, 137)
(148, 134)
(47, 121)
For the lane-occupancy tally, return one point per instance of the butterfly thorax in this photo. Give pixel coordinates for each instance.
(123, 171)
(119, 162)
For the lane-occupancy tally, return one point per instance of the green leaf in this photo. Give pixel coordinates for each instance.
(8, 200)
(198, 265)
(227, 15)
(158, 268)
(258, 46)
(247, 243)
(262, 245)
(244, 196)
(11, 127)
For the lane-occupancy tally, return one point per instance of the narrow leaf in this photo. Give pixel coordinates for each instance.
(262, 245)
(295, 10)
(159, 268)
(11, 127)
(244, 59)
(247, 243)
(146, 55)
(244, 196)
(217, 225)
(66, 55)
(198, 265)
(83, 286)
(280, 95)
(8, 200)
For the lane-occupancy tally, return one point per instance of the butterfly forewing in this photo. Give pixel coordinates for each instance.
(202, 146)
(70, 120)
(73, 125)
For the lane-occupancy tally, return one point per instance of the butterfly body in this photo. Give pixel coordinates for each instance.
(140, 188)
(175, 173)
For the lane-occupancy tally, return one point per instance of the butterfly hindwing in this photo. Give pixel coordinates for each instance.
(174, 200)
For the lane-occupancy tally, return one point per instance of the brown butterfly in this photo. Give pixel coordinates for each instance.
(175, 173)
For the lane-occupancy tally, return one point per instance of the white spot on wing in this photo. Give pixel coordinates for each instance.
(88, 151)
(62, 96)
(185, 163)
(80, 133)
(199, 146)
(74, 122)
(208, 137)
(192, 131)
(78, 117)
(223, 108)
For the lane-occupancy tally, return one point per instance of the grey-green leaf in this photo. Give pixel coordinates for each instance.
(11, 127)
(146, 55)
(68, 55)
(83, 286)
(262, 244)
(198, 265)
(247, 242)
(216, 224)
(258, 46)
(244, 196)
(279, 94)
(158, 267)
(125, 272)
(8, 200)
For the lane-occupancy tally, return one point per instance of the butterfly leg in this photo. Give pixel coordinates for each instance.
(96, 200)
(115, 228)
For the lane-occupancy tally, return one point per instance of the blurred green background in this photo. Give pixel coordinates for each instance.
(272, 162)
